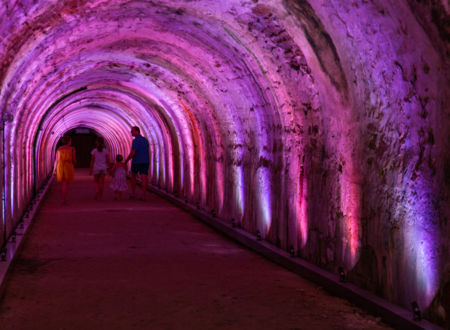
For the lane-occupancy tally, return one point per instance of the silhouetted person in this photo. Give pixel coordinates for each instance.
(99, 166)
(66, 160)
(140, 161)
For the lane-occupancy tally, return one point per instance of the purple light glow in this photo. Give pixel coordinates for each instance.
(263, 188)
(239, 191)
(421, 242)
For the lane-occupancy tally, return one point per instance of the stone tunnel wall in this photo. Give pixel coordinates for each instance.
(324, 125)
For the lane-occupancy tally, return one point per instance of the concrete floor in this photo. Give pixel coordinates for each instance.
(149, 265)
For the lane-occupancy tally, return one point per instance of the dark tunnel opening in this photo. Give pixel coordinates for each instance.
(83, 140)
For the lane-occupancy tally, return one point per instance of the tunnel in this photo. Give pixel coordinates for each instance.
(321, 125)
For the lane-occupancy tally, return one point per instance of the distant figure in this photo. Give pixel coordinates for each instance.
(141, 160)
(119, 174)
(66, 159)
(99, 165)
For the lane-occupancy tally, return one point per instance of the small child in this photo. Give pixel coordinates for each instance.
(119, 182)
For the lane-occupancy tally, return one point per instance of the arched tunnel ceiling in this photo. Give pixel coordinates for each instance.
(317, 123)
(178, 54)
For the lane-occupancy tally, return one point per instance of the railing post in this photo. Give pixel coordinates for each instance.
(2, 191)
(5, 117)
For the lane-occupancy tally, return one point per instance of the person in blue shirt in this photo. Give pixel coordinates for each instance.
(140, 156)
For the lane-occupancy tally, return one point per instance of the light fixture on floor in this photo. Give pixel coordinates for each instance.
(417, 316)
(28, 211)
(3, 251)
(258, 235)
(341, 274)
(7, 117)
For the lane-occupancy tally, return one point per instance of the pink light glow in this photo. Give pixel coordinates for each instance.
(191, 151)
(302, 215)
(351, 207)
(219, 186)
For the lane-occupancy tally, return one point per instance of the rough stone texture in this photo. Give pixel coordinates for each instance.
(321, 124)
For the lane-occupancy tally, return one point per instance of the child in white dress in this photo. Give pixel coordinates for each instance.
(99, 166)
(119, 174)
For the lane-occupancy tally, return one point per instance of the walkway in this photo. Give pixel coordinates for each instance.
(148, 265)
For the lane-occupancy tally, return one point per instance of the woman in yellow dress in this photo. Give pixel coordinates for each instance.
(66, 159)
